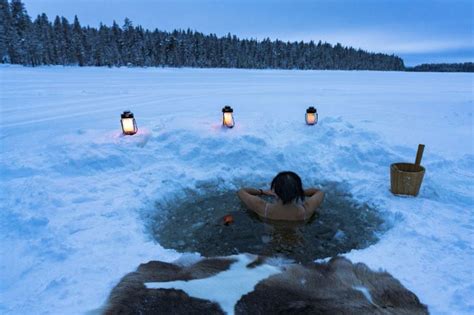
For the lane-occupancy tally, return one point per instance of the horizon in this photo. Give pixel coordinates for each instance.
(442, 34)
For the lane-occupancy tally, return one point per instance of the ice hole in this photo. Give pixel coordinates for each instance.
(196, 224)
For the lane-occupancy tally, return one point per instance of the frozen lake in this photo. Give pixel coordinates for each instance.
(75, 196)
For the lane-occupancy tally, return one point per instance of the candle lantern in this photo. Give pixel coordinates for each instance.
(228, 116)
(311, 116)
(129, 125)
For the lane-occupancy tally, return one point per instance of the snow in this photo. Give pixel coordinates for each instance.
(365, 292)
(75, 195)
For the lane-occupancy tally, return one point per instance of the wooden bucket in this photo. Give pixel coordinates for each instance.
(406, 178)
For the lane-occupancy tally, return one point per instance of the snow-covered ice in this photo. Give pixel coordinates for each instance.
(75, 195)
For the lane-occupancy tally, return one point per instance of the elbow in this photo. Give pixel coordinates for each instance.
(321, 198)
(322, 195)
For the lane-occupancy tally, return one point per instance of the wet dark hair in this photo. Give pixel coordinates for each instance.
(288, 187)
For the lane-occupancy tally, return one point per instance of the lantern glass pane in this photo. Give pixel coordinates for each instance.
(228, 120)
(128, 125)
(310, 118)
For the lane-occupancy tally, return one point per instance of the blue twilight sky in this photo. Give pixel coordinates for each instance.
(419, 31)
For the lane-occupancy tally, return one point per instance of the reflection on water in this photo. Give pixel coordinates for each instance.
(196, 224)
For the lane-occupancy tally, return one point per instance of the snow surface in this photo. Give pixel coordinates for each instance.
(75, 195)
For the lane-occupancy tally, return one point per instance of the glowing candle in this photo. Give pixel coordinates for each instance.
(228, 117)
(311, 116)
(129, 125)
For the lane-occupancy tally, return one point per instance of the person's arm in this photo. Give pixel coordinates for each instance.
(310, 191)
(268, 193)
(250, 199)
(314, 198)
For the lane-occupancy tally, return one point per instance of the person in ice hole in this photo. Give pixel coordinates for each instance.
(292, 202)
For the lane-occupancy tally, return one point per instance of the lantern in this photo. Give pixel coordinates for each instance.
(228, 117)
(129, 125)
(311, 116)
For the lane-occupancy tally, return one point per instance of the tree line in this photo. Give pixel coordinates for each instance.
(42, 42)
(443, 67)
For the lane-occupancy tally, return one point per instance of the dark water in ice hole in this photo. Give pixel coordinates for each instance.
(196, 224)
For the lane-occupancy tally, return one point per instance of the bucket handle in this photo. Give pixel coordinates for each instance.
(419, 155)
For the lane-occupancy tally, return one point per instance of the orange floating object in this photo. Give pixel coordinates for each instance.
(228, 219)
